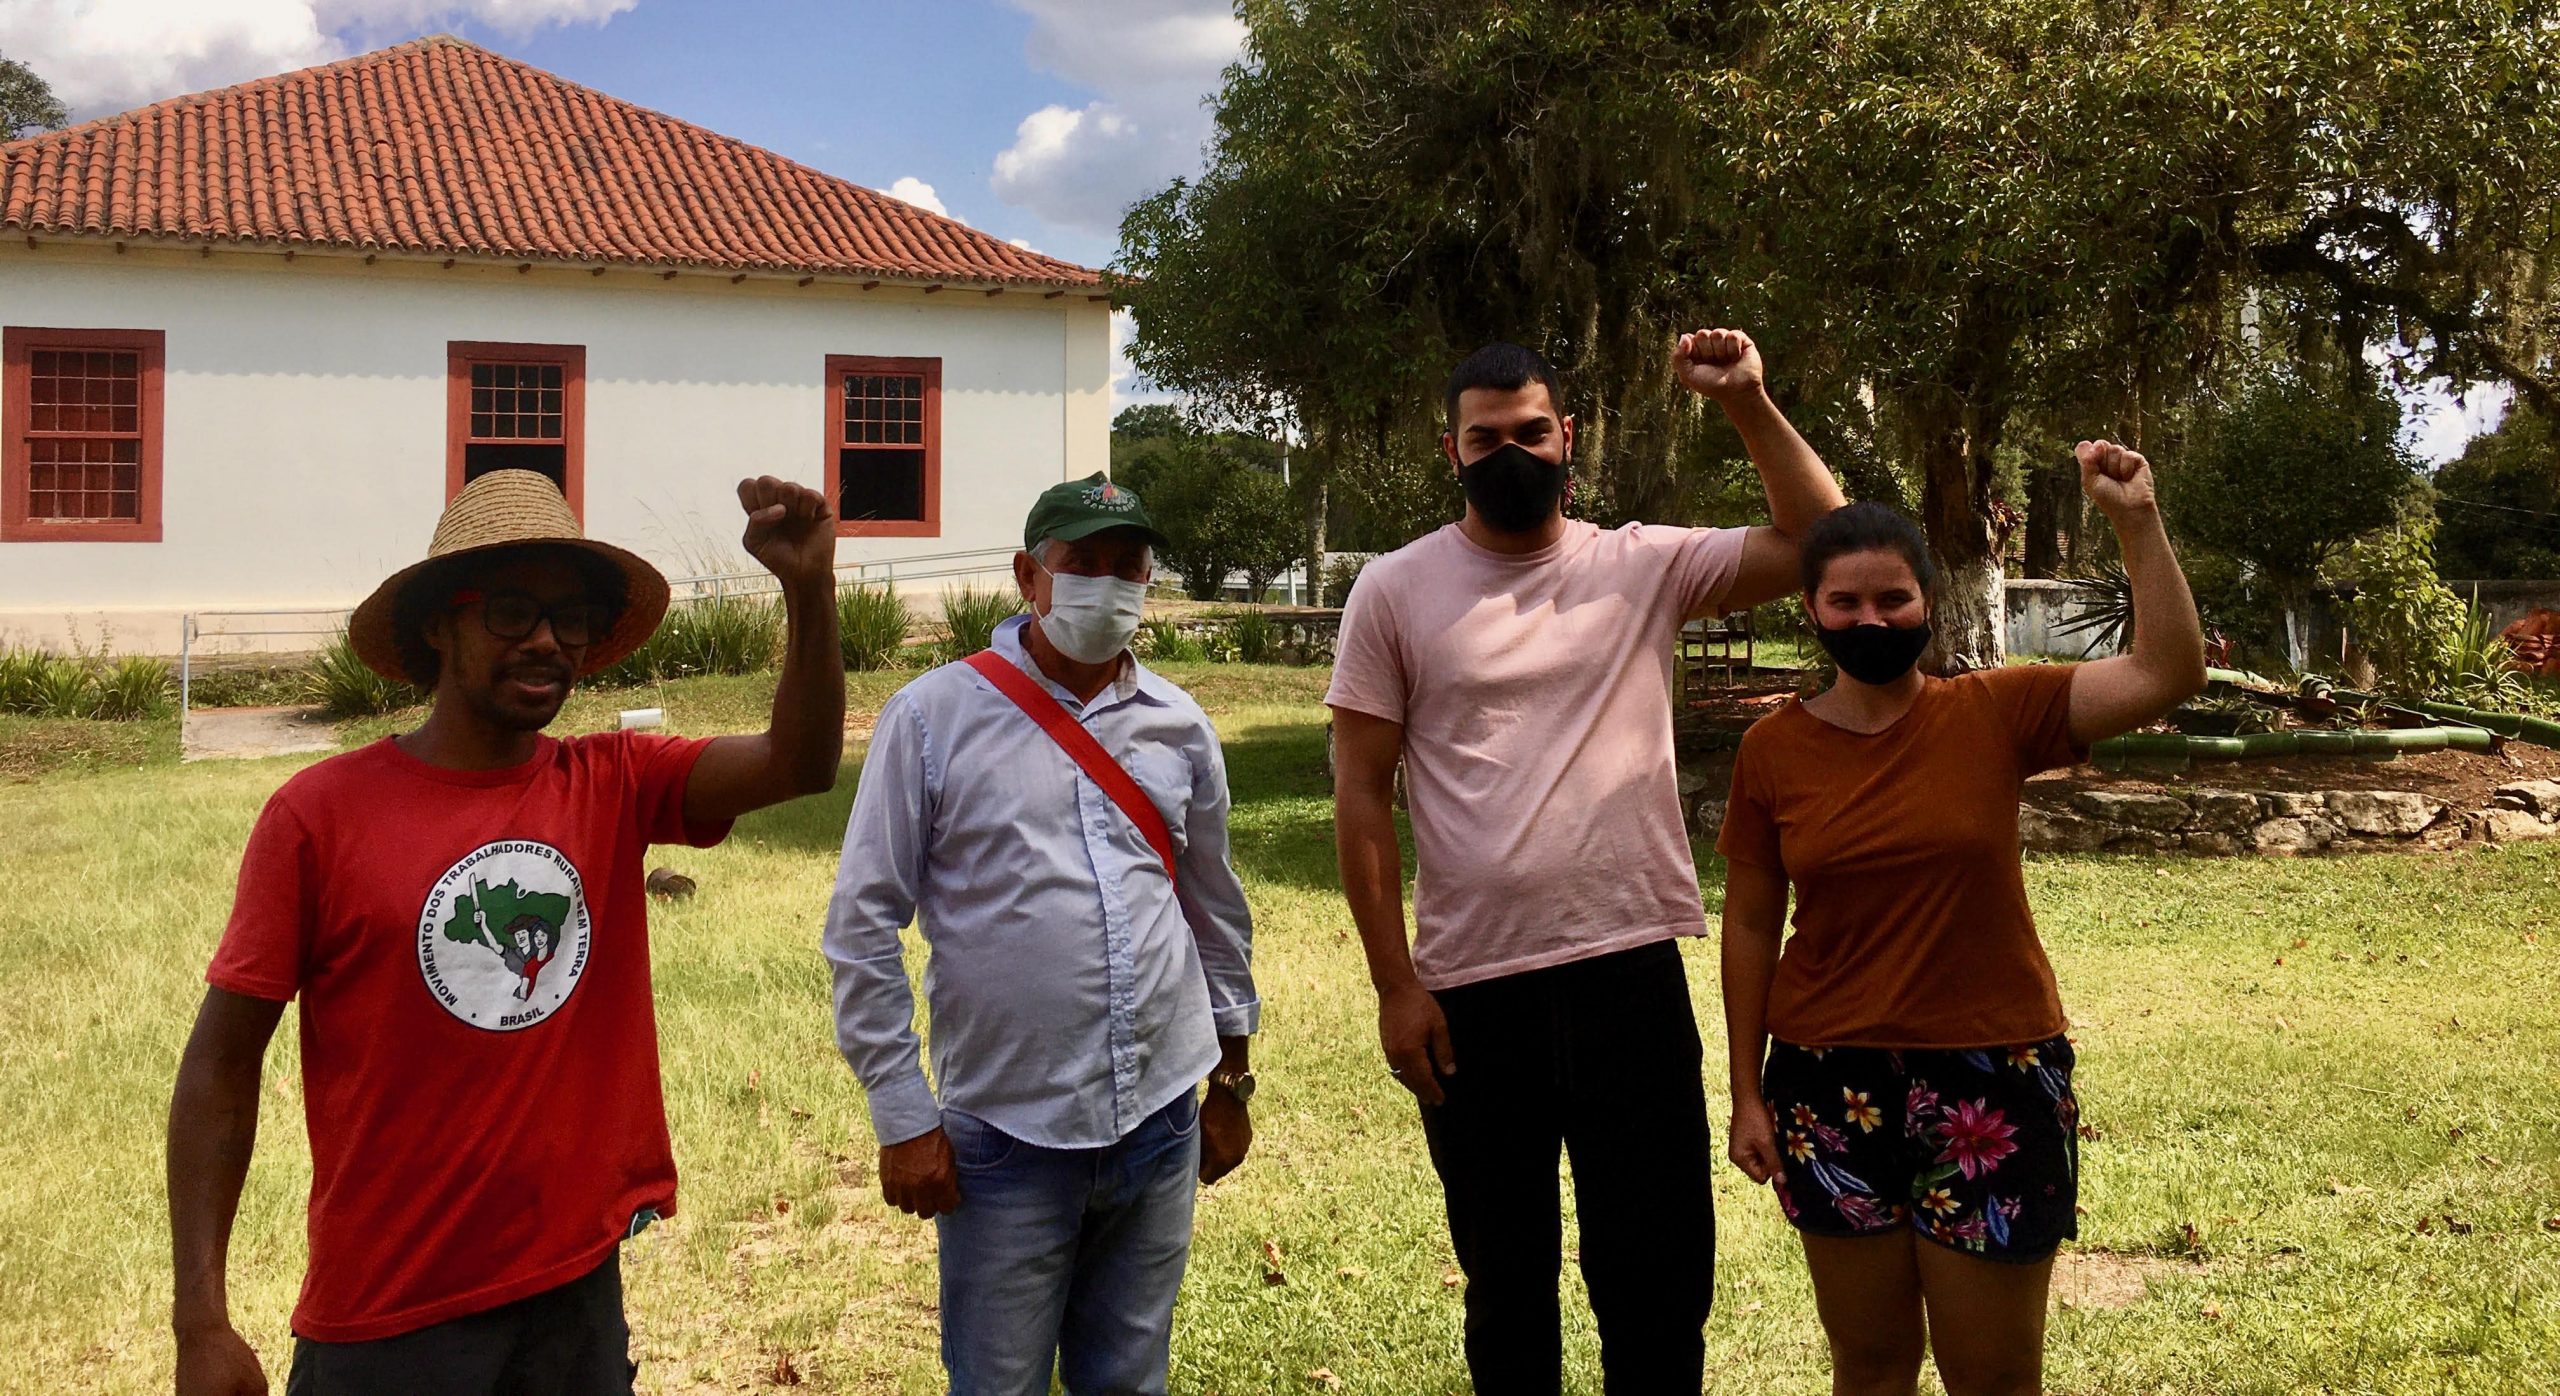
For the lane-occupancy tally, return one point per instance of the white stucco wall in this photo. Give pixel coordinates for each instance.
(304, 438)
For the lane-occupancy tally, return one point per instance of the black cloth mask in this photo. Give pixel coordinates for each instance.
(1874, 654)
(1514, 488)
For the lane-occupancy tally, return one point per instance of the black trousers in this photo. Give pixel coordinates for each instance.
(1599, 1058)
(565, 1341)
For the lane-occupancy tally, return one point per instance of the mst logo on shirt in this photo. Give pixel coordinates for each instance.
(503, 938)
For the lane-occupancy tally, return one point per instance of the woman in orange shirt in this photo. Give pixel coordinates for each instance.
(1914, 1107)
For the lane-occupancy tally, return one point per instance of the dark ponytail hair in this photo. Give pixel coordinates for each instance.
(1865, 527)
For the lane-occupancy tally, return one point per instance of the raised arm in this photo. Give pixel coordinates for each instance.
(213, 1129)
(1725, 365)
(792, 532)
(2165, 666)
(1411, 1027)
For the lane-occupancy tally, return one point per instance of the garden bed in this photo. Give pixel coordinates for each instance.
(2274, 805)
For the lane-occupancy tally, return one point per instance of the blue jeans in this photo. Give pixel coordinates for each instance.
(1066, 1258)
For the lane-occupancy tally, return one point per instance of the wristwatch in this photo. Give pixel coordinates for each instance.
(1235, 1083)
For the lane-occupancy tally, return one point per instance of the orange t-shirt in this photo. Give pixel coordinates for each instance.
(1911, 923)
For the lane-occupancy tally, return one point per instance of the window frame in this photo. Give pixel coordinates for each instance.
(461, 354)
(843, 366)
(18, 345)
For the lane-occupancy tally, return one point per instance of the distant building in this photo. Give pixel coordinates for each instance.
(251, 340)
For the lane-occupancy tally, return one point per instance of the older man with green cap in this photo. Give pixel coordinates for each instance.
(1053, 818)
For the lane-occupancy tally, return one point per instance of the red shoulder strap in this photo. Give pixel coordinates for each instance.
(1043, 708)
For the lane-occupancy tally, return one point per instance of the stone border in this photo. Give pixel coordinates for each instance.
(2226, 823)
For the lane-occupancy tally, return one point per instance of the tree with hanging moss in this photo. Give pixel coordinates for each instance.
(1967, 213)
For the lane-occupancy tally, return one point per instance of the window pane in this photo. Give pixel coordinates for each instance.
(551, 375)
(480, 458)
(880, 484)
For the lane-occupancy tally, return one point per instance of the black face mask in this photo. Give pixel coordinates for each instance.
(1514, 489)
(1875, 654)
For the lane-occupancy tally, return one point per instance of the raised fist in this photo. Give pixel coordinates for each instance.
(1721, 364)
(2116, 479)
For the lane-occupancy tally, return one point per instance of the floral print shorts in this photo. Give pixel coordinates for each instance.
(1977, 1149)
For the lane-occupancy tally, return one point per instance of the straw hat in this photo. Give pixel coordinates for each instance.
(505, 509)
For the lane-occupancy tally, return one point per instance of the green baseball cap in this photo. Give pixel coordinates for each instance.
(1081, 508)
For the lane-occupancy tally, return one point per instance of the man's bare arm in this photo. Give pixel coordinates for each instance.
(1411, 1028)
(792, 532)
(213, 1129)
(1725, 365)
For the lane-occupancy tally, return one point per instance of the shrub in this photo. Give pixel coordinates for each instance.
(973, 615)
(712, 635)
(2405, 618)
(343, 686)
(133, 687)
(871, 626)
(1254, 638)
(65, 688)
(21, 672)
(1164, 642)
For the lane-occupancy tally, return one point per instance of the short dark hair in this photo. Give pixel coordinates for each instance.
(430, 593)
(1865, 527)
(1503, 367)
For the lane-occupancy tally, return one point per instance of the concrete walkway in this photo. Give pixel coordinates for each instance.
(217, 734)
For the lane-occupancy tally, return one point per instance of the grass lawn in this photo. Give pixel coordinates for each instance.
(2328, 1152)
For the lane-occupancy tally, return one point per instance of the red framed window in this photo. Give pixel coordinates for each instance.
(80, 414)
(884, 446)
(516, 407)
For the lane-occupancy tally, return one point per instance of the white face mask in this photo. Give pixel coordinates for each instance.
(1091, 619)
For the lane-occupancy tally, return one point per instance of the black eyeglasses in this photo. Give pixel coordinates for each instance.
(512, 615)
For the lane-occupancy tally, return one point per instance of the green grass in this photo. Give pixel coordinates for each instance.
(2272, 1134)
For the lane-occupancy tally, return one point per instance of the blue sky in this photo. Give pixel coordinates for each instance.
(1035, 120)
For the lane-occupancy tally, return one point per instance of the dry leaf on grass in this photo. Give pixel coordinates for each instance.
(1273, 1272)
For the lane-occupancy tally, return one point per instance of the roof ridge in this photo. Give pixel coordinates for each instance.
(184, 100)
(440, 145)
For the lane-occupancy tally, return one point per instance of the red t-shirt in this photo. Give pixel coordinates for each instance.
(479, 1051)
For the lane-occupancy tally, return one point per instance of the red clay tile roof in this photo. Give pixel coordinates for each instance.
(439, 146)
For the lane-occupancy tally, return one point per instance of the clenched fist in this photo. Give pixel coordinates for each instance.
(2116, 479)
(790, 529)
(1721, 364)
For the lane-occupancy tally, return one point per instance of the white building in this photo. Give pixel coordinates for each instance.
(255, 338)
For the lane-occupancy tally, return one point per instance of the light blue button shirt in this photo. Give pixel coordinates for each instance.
(1072, 993)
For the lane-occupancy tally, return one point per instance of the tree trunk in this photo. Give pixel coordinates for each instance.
(1955, 507)
(2051, 498)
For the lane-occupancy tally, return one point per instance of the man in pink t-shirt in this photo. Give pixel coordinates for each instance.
(1519, 663)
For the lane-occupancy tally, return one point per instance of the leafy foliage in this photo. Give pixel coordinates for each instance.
(1220, 506)
(27, 104)
(871, 626)
(343, 686)
(1162, 641)
(972, 615)
(1981, 216)
(2290, 473)
(2501, 503)
(2406, 619)
(134, 687)
(713, 635)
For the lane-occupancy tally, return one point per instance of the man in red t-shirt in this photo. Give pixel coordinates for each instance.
(460, 911)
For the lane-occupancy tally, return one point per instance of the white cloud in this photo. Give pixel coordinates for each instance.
(919, 193)
(1023, 243)
(1153, 64)
(102, 56)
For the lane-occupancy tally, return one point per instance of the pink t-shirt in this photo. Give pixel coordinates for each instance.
(1535, 696)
